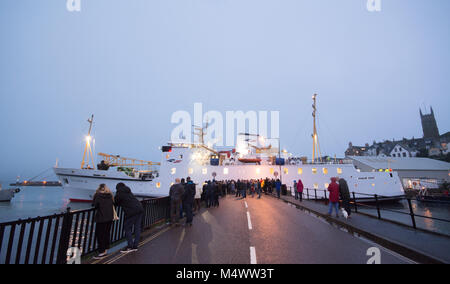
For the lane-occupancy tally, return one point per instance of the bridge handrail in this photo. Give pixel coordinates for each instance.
(45, 240)
(376, 199)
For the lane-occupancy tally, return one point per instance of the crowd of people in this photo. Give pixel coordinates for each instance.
(187, 198)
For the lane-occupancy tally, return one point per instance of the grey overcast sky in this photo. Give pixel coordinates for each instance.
(134, 63)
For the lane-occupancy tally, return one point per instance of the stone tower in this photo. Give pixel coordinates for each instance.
(429, 125)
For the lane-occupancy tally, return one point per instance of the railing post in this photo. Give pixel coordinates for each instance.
(354, 202)
(378, 206)
(315, 194)
(325, 194)
(411, 211)
(64, 239)
(307, 193)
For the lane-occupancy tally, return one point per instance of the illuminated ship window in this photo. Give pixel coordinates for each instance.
(167, 156)
(316, 186)
(300, 171)
(327, 185)
(272, 171)
(258, 171)
(190, 171)
(172, 184)
(205, 171)
(339, 171)
(225, 171)
(373, 185)
(286, 171)
(314, 171)
(173, 171)
(325, 171)
(158, 185)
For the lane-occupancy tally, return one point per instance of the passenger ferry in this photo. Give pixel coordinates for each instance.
(203, 163)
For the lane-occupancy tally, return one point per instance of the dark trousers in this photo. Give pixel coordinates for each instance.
(103, 235)
(188, 210)
(136, 223)
(175, 206)
(197, 204)
(346, 206)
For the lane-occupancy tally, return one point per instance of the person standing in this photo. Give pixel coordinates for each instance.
(176, 196)
(295, 189)
(211, 193)
(278, 188)
(299, 189)
(333, 188)
(345, 196)
(259, 188)
(188, 200)
(198, 197)
(134, 212)
(103, 202)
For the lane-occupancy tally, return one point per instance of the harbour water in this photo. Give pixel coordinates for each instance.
(37, 201)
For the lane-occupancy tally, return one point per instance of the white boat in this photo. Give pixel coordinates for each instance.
(202, 163)
(7, 194)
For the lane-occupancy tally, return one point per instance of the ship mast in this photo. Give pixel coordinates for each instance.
(87, 156)
(316, 146)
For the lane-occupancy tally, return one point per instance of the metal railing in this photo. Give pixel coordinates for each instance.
(45, 240)
(361, 200)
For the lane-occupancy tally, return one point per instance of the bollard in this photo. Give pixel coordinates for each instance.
(354, 202)
(411, 212)
(378, 206)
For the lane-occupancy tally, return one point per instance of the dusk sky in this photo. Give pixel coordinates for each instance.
(134, 63)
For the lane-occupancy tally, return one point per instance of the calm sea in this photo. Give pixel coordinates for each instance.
(37, 201)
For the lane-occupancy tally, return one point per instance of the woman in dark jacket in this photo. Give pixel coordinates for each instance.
(104, 216)
(345, 195)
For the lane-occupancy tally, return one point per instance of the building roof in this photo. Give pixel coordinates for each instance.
(418, 164)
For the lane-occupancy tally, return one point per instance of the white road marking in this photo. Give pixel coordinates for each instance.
(253, 255)
(246, 205)
(194, 259)
(250, 227)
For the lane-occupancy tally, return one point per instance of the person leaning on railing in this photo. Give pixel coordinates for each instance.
(134, 212)
(104, 215)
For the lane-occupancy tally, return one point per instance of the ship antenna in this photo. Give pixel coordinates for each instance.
(316, 146)
(87, 156)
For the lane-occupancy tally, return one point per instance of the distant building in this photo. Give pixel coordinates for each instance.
(429, 125)
(432, 144)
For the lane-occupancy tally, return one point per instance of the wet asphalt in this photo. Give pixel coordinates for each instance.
(258, 231)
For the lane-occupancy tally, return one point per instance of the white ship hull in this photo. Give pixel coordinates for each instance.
(180, 163)
(81, 185)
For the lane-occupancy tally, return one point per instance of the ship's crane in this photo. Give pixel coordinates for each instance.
(118, 161)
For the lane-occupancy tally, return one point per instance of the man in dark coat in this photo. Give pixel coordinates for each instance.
(345, 195)
(176, 197)
(188, 200)
(133, 211)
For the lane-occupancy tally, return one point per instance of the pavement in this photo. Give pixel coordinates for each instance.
(255, 231)
(426, 247)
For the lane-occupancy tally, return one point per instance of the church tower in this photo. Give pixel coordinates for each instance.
(429, 125)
